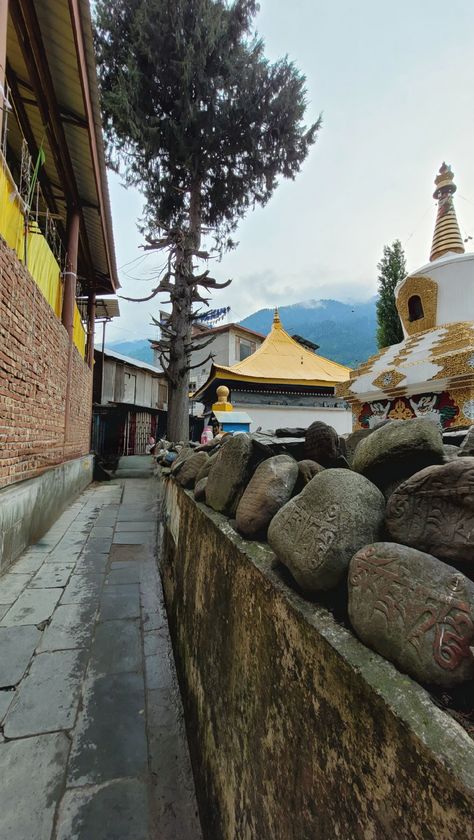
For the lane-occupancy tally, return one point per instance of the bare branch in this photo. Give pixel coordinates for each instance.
(207, 359)
(196, 347)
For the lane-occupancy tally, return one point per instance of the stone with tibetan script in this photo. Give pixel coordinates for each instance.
(206, 468)
(414, 610)
(467, 445)
(200, 490)
(315, 534)
(184, 453)
(306, 471)
(322, 444)
(229, 475)
(398, 450)
(269, 488)
(434, 511)
(190, 469)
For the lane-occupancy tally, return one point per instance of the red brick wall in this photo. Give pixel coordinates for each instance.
(34, 360)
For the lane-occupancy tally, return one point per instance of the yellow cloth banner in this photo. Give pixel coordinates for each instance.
(40, 260)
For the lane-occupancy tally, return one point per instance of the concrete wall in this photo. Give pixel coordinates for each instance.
(297, 730)
(29, 508)
(45, 385)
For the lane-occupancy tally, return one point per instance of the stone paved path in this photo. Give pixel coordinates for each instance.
(92, 743)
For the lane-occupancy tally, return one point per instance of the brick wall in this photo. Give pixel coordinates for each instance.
(34, 360)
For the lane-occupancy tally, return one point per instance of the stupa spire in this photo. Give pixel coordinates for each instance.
(276, 318)
(447, 236)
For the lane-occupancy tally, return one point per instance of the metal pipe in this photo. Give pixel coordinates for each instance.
(90, 328)
(70, 274)
(103, 357)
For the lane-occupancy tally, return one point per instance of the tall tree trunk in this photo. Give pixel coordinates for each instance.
(181, 298)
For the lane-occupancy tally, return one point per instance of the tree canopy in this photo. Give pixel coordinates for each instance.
(392, 269)
(203, 124)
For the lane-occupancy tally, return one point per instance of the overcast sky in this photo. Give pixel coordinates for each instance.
(395, 84)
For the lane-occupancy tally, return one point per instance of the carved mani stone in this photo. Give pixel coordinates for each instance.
(200, 489)
(322, 444)
(269, 488)
(315, 534)
(184, 453)
(398, 450)
(306, 471)
(229, 474)
(434, 511)
(414, 610)
(206, 468)
(191, 468)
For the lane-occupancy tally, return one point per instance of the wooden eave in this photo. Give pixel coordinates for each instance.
(51, 71)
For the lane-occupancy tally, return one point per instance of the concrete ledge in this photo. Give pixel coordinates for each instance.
(29, 508)
(298, 731)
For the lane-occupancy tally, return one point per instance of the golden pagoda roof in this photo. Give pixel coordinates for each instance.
(280, 360)
(447, 236)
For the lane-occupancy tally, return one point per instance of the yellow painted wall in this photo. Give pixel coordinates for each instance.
(40, 260)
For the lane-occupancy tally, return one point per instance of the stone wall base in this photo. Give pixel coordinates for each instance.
(29, 508)
(297, 730)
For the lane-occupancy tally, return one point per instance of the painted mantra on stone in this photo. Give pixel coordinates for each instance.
(311, 534)
(419, 608)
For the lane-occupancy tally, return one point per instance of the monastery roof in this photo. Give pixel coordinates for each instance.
(281, 360)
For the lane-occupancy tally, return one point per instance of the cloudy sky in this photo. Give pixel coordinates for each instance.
(395, 85)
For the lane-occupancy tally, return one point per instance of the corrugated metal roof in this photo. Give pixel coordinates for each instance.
(66, 32)
(133, 362)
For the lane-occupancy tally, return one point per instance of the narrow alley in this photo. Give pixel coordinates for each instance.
(92, 740)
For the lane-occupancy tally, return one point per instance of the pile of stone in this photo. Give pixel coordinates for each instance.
(387, 513)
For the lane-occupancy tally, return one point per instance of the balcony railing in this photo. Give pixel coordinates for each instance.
(21, 230)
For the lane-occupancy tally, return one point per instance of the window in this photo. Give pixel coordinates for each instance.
(244, 348)
(415, 308)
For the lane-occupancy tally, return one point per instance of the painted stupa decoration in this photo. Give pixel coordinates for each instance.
(431, 372)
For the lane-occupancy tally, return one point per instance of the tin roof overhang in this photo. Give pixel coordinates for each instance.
(52, 73)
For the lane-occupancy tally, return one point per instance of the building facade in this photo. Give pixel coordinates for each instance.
(130, 405)
(281, 384)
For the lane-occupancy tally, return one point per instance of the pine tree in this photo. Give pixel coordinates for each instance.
(392, 269)
(204, 125)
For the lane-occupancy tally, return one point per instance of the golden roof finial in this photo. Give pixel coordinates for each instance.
(276, 318)
(447, 236)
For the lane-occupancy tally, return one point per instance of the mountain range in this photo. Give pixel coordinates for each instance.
(345, 332)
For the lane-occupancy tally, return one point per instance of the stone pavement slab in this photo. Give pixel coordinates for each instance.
(147, 526)
(17, 645)
(123, 573)
(117, 647)
(48, 697)
(83, 587)
(32, 607)
(94, 725)
(71, 627)
(115, 811)
(121, 601)
(11, 586)
(109, 740)
(6, 698)
(52, 575)
(31, 780)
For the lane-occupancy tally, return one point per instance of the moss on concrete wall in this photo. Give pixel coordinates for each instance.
(297, 730)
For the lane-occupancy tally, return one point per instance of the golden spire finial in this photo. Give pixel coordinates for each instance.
(276, 318)
(447, 236)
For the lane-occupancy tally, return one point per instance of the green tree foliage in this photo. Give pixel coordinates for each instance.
(392, 269)
(204, 125)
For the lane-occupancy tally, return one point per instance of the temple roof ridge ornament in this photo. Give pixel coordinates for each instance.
(447, 236)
